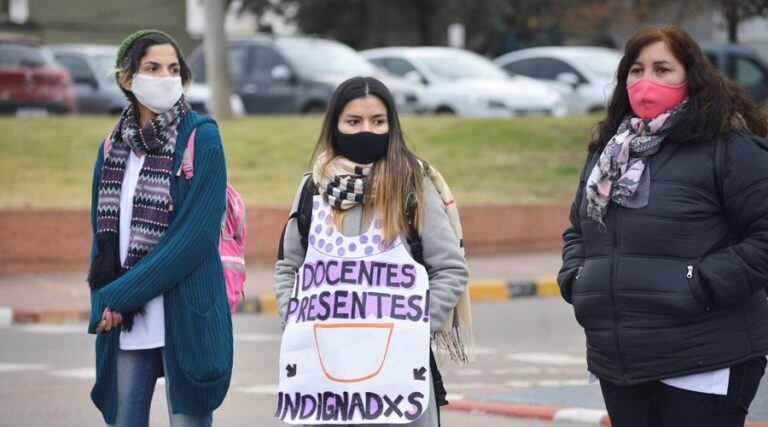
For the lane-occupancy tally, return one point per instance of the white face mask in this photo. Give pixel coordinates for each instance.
(157, 93)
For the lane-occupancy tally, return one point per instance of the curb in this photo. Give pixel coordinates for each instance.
(479, 290)
(548, 413)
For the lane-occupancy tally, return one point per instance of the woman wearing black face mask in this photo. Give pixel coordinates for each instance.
(370, 266)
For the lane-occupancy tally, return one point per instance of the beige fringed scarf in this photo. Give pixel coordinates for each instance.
(455, 338)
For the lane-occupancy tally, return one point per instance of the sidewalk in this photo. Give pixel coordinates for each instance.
(65, 296)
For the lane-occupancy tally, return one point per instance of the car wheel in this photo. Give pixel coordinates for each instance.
(314, 108)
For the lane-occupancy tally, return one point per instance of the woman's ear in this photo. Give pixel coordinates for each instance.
(126, 83)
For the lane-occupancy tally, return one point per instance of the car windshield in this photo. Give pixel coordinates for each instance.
(313, 57)
(601, 64)
(25, 56)
(106, 64)
(461, 65)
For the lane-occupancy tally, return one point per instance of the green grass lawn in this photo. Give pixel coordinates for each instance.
(48, 162)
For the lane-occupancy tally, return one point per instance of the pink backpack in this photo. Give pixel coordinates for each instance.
(233, 230)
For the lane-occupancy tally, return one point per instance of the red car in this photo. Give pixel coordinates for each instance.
(31, 81)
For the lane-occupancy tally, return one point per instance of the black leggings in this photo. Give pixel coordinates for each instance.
(656, 404)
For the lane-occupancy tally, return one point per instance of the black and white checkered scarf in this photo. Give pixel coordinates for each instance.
(340, 180)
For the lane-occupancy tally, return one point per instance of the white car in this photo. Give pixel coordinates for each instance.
(460, 82)
(584, 75)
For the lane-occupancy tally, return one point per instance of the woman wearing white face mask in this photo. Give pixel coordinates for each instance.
(155, 267)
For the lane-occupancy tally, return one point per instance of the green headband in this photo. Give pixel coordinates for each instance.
(128, 42)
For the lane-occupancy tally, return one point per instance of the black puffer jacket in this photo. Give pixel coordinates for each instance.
(677, 287)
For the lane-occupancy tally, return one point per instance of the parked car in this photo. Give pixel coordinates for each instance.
(31, 82)
(92, 69)
(741, 64)
(297, 74)
(585, 76)
(460, 82)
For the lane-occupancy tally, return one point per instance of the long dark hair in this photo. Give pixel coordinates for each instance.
(393, 178)
(130, 64)
(716, 103)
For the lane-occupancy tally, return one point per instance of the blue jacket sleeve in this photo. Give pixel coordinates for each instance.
(192, 236)
(95, 196)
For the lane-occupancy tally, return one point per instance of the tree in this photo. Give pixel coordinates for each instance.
(216, 64)
(736, 11)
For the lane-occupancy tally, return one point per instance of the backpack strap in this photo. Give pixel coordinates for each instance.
(188, 159)
(412, 235)
(303, 212)
(107, 143)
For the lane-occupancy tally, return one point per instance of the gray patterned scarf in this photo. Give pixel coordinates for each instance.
(620, 173)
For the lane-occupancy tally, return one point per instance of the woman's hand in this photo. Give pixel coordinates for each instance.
(109, 320)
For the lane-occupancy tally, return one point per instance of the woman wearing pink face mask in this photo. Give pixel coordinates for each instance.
(666, 258)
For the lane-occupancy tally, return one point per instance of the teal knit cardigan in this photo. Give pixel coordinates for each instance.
(186, 269)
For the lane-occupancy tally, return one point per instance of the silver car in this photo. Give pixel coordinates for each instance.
(461, 82)
(584, 75)
(92, 70)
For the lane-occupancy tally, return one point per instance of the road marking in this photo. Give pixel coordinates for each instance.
(561, 383)
(263, 389)
(51, 328)
(450, 397)
(80, 373)
(547, 358)
(484, 351)
(523, 370)
(580, 415)
(519, 384)
(6, 317)
(257, 337)
(15, 367)
(467, 386)
(468, 372)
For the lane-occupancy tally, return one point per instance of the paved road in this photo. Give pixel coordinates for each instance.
(525, 346)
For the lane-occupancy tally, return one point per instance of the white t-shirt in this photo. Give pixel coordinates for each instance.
(149, 328)
(712, 382)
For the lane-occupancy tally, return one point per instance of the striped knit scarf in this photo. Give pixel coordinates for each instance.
(152, 201)
(340, 180)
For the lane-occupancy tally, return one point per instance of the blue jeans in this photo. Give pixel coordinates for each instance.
(137, 374)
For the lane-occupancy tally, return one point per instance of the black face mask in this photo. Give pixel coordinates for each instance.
(362, 147)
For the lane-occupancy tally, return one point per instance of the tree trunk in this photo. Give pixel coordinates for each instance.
(216, 64)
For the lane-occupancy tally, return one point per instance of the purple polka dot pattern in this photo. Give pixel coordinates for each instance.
(326, 239)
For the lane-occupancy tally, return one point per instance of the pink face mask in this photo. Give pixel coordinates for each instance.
(650, 98)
